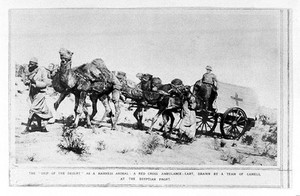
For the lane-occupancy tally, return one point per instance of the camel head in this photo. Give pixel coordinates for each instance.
(66, 58)
(146, 83)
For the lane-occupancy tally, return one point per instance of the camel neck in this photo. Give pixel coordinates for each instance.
(65, 66)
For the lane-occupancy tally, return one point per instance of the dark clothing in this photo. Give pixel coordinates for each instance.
(209, 80)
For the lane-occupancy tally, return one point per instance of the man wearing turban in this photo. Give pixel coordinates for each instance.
(37, 81)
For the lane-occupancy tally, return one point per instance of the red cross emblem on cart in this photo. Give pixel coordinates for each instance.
(236, 98)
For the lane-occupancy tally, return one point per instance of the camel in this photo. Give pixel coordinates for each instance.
(78, 81)
(94, 96)
(161, 98)
(171, 101)
(66, 81)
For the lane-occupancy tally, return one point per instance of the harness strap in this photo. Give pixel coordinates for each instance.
(81, 75)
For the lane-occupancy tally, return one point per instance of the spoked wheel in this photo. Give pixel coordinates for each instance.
(206, 122)
(233, 123)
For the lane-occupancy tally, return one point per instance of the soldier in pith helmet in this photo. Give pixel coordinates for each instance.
(210, 80)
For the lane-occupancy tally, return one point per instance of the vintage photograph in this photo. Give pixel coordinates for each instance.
(149, 88)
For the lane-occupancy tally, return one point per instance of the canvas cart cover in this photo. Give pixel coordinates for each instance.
(230, 95)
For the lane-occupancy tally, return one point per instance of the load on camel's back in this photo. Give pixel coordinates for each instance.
(151, 87)
(97, 73)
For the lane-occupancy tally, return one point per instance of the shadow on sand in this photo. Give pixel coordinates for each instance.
(199, 134)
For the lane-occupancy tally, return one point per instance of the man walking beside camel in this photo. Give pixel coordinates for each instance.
(37, 81)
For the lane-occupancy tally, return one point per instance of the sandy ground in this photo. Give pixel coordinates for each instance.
(124, 146)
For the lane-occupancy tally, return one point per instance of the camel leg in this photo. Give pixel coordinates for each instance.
(80, 109)
(62, 96)
(116, 100)
(154, 120)
(165, 118)
(135, 114)
(84, 108)
(172, 122)
(88, 120)
(108, 111)
(94, 99)
(75, 110)
(117, 114)
(138, 114)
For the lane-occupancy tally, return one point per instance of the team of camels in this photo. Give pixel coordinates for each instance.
(95, 80)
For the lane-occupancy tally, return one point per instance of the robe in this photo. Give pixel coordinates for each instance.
(37, 94)
(188, 123)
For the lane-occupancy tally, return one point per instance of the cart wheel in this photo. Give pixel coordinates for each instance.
(206, 122)
(233, 123)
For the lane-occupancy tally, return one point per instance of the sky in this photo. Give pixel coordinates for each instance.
(242, 46)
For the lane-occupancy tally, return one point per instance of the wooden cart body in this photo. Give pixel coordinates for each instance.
(236, 108)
